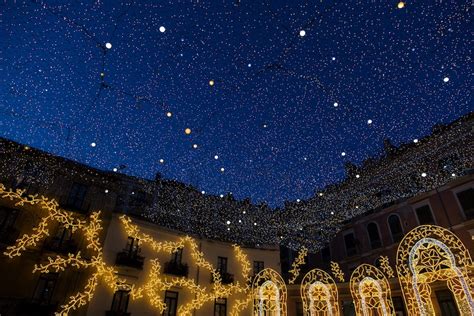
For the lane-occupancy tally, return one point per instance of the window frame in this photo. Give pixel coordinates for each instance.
(390, 228)
(220, 260)
(123, 293)
(459, 190)
(378, 234)
(174, 312)
(216, 303)
(420, 205)
(349, 232)
(257, 263)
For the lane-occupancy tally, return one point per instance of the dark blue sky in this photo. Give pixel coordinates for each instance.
(270, 116)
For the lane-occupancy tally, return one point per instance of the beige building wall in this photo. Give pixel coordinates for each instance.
(116, 241)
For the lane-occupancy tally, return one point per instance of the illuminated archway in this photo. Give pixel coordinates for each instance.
(371, 291)
(431, 253)
(269, 292)
(319, 294)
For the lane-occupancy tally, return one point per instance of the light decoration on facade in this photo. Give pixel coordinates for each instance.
(337, 272)
(269, 293)
(319, 294)
(428, 254)
(371, 291)
(155, 285)
(295, 266)
(385, 267)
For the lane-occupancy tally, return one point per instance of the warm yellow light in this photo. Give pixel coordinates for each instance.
(187, 131)
(295, 266)
(401, 5)
(211, 82)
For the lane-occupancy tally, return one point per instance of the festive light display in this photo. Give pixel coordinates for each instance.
(319, 294)
(371, 291)
(156, 283)
(269, 293)
(295, 266)
(337, 272)
(431, 253)
(385, 267)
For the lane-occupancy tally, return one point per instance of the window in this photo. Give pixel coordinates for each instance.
(424, 215)
(374, 236)
(171, 301)
(76, 196)
(466, 199)
(45, 288)
(7, 218)
(395, 227)
(220, 307)
(398, 306)
(326, 254)
(177, 256)
(120, 301)
(133, 247)
(258, 266)
(350, 243)
(222, 264)
(446, 303)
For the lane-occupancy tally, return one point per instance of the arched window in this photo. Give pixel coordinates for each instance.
(395, 227)
(374, 236)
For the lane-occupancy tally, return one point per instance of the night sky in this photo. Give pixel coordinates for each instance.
(282, 93)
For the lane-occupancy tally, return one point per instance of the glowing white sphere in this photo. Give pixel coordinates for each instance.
(228, 222)
(162, 29)
(108, 45)
(203, 192)
(415, 140)
(343, 154)
(222, 169)
(106, 191)
(357, 176)
(453, 174)
(93, 144)
(115, 169)
(162, 160)
(423, 174)
(216, 157)
(336, 104)
(369, 122)
(195, 146)
(302, 33)
(446, 79)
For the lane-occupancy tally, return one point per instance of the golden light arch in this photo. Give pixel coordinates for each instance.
(371, 291)
(269, 294)
(431, 253)
(319, 294)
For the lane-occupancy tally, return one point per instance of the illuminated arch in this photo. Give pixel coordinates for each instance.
(319, 294)
(371, 291)
(431, 253)
(269, 292)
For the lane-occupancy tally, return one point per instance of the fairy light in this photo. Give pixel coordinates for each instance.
(295, 266)
(337, 272)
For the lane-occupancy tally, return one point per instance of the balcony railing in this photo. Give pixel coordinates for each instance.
(129, 259)
(176, 268)
(226, 277)
(60, 246)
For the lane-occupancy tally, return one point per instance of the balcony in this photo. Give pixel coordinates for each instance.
(176, 268)
(226, 277)
(116, 313)
(129, 259)
(60, 246)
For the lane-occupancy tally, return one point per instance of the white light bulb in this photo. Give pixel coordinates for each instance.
(369, 122)
(423, 174)
(162, 160)
(453, 174)
(343, 154)
(93, 144)
(216, 157)
(203, 192)
(415, 140)
(302, 33)
(106, 191)
(336, 104)
(108, 45)
(446, 79)
(222, 169)
(162, 29)
(115, 169)
(357, 176)
(228, 222)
